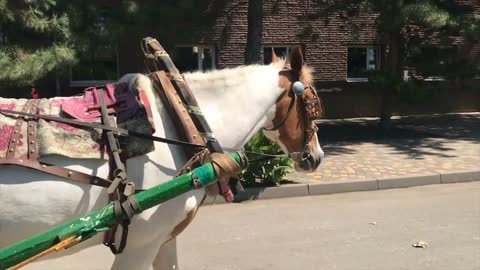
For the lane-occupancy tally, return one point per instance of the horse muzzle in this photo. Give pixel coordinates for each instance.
(306, 161)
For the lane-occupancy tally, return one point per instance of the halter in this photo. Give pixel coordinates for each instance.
(312, 111)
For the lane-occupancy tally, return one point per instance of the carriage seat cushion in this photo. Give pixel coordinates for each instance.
(119, 100)
(130, 110)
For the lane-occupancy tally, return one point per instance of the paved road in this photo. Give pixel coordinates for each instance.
(331, 232)
(338, 232)
(355, 149)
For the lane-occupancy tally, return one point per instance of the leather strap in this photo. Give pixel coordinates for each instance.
(57, 171)
(17, 131)
(119, 131)
(156, 56)
(30, 161)
(182, 118)
(32, 131)
(186, 128)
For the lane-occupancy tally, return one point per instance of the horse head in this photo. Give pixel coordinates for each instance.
(293, 126)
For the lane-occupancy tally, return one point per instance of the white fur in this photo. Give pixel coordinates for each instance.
(237, 103)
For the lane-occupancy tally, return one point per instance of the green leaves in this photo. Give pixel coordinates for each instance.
(36, 35)
(426, 14)
(37, 21)
(265, 171)
(25, 66)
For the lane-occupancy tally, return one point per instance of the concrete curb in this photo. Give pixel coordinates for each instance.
(312, 189)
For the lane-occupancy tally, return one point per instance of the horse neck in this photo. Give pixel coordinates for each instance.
(236, 102)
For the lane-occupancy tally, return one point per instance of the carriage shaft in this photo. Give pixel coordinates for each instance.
(101, 220)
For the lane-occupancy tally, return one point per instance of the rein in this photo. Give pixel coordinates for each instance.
(125, 132)
(119, 131)
(290, 107)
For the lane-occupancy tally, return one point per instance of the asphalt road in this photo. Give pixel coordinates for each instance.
(363, 230)
(371, 230)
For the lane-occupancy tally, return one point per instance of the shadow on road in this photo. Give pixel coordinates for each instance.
(415, 136)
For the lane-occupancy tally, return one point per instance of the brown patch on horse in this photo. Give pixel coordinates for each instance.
(275, 58)
(291, 133)
(183, 224)
(296, 60)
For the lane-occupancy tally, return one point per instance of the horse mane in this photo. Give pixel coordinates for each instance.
(226, 74)
(306, 75)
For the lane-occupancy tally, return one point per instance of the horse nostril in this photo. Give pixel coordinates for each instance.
(314, 161)
(306, 155)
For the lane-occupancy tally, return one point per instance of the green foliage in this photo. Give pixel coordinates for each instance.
(426, 14)
(409, 24)
(41, 36)
(264, 171)
(24, 66)
(34, 40)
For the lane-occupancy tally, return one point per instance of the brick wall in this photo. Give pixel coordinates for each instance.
(325, 42)
(325, 45)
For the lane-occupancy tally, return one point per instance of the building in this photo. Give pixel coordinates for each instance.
(339, 49)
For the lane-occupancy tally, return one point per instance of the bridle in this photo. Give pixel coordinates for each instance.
(312, 110)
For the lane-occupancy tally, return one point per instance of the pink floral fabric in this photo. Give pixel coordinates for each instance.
(5, 135)
(10, 106)
(63, 139)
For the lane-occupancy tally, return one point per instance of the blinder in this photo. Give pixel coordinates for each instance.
(312, 111)
(312, 104)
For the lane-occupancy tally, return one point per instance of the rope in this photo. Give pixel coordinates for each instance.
(66, 243)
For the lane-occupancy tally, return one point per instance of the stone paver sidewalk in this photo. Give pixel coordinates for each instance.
(356, 150)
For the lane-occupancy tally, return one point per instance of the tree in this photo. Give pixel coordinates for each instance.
(254, 34)
(402, 25)
(47, 37)
(34, 40)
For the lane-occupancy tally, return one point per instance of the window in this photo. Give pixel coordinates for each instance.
(280, 51)
(96, 66)
(194, 58)
(360, 61)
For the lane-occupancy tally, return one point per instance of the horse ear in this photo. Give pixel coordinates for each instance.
(296, 59)
(275, 58)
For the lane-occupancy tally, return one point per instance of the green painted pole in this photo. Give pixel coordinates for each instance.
(101, 220)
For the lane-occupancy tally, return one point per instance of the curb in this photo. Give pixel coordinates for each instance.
(312, 189)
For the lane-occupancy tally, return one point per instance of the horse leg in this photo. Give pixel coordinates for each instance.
(166, 258)
(140, 258)
(167, 255)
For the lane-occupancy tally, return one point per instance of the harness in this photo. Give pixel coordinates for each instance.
(103, 101)
(311, 111)
(182, 105)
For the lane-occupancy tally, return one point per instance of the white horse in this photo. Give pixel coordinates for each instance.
(236, 102)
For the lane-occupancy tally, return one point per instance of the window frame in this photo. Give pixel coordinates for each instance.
(201, 48)
(288, 48)
(377, 61)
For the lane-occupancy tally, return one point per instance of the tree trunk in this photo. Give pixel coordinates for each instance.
(394, 66)
(253, 50)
